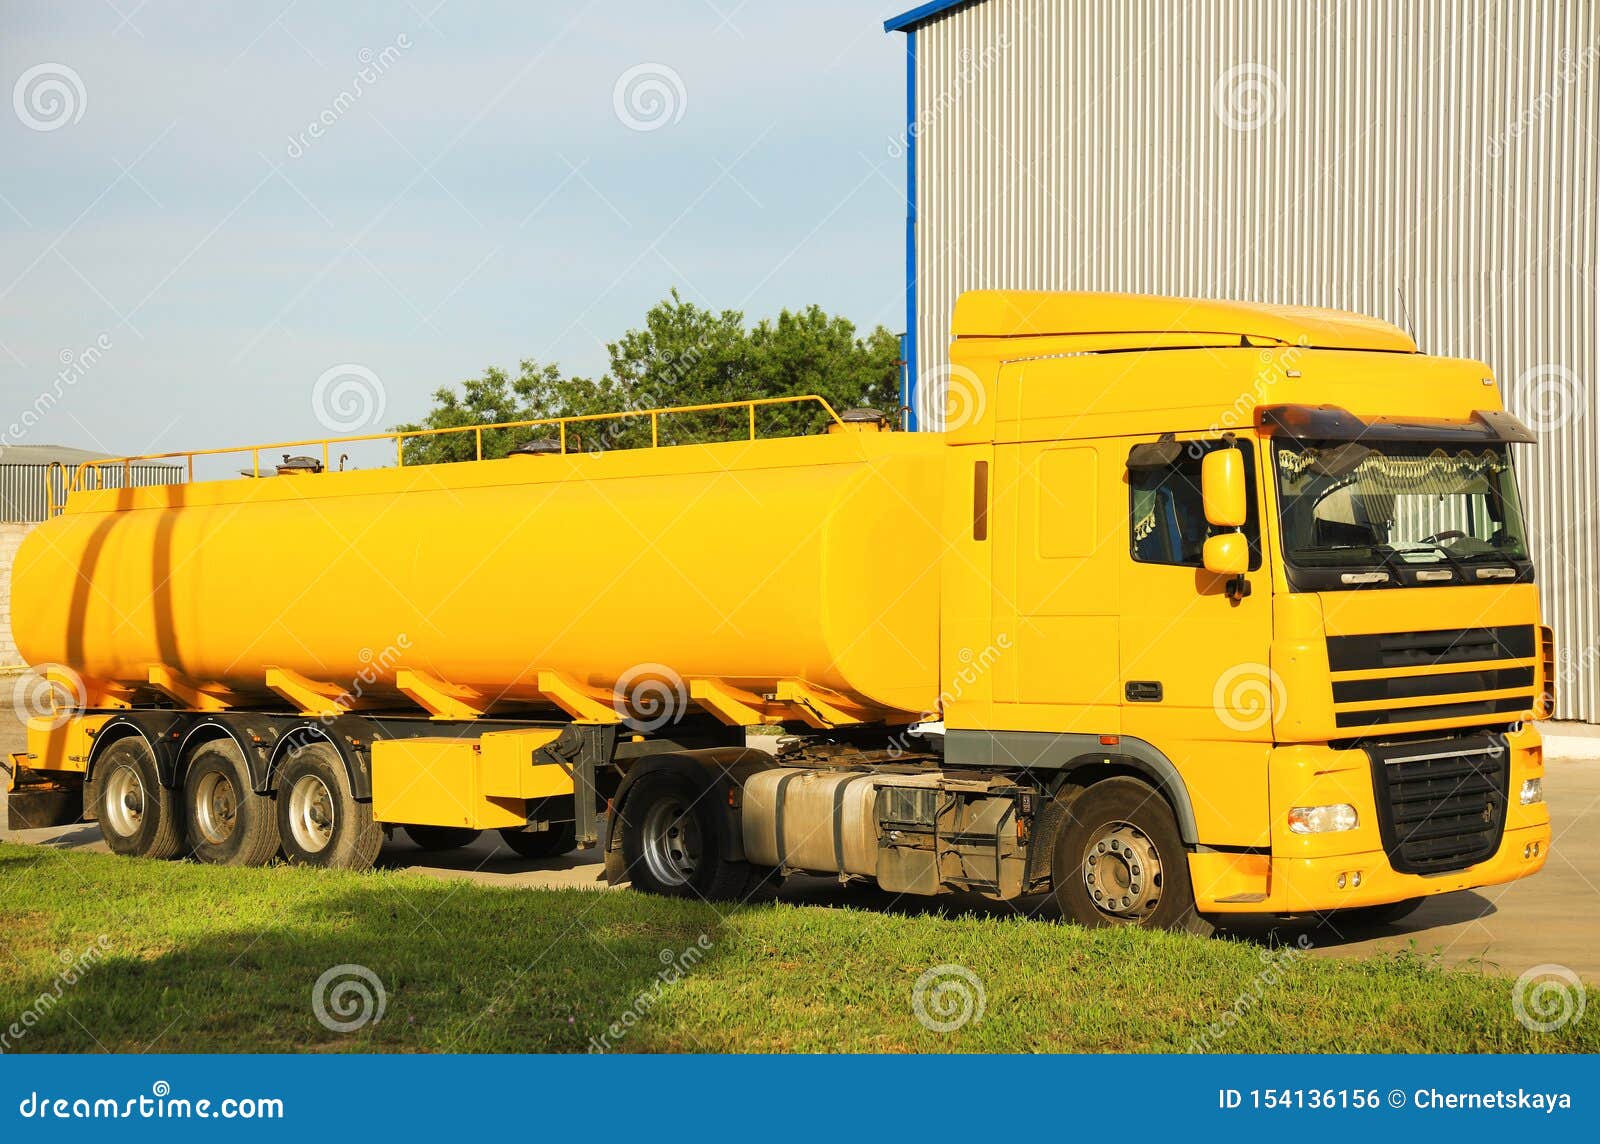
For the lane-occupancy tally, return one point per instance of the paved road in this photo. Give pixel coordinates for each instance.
(1552, 917)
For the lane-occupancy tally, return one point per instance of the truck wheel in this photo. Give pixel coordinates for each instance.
(319, 819)
(138, 816)
(436, 838)
(1119, 861)
(228, 823)
(561, 838)
(672, 838)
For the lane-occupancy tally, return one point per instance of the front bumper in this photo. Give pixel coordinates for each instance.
(1315, 873)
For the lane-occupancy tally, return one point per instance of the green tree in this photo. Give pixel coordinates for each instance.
(682, 355)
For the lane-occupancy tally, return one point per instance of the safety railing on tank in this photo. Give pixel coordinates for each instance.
(90, 475)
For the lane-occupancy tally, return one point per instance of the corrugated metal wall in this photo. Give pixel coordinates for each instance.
(1341, 154)
(25, 497)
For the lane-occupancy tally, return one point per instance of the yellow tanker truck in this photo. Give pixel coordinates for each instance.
(1193, 609)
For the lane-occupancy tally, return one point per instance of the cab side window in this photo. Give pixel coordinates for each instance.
(1167, 516)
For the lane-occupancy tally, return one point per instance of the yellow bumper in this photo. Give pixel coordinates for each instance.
(1318, 872)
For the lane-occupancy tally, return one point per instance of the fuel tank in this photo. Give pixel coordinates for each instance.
(799, 566)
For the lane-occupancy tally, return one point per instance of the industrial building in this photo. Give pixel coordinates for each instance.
(1431, 162)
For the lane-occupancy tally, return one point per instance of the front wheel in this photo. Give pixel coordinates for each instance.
(1119, 861)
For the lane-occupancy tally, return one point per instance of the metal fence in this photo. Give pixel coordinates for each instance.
(27, 491)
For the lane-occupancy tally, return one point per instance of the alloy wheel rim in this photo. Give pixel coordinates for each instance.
(311, 817)
(216, 809)
(671, 839)
(124, 800)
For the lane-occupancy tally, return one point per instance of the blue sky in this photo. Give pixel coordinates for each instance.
(491, 189)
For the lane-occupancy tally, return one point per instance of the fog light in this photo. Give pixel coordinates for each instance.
(1322, 819)
(1532, 791)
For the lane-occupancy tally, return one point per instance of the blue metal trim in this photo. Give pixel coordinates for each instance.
(909, 396)
(907, 21)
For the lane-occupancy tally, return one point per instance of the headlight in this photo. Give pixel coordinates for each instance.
(1323, 819)
(1532, 791)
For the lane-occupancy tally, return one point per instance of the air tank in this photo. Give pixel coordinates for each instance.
(742, 567)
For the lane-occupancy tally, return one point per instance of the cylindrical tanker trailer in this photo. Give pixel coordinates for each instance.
(1159, 624)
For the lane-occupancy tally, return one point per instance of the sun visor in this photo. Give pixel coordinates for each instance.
(1332, 423)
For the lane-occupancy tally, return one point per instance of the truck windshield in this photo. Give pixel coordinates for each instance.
(1388, 503)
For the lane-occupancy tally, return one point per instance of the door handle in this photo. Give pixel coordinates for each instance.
(1143, 691)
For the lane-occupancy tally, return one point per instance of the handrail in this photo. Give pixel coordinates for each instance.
(400, 437)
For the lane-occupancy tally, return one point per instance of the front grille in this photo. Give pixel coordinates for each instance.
(1441, 802)
(1438, 696)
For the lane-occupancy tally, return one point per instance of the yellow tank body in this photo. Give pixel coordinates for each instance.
(793, 578)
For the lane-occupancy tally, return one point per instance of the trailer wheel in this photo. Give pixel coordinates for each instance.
(672, 841)
(1119, 861)
(138, 816)
(319, 819)
(228, 823)
(561, 838)
(437, 838)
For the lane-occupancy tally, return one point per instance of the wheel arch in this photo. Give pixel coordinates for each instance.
(303, 733)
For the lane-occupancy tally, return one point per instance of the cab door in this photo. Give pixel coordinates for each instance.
(1196, 680)
(1056, 559)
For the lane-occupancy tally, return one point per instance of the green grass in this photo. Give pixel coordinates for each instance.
(206, 959)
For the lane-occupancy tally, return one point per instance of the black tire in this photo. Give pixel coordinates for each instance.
(320, 823)
(672, 835)
(1119, 840)
(139, 818)
(1369, 917)
(555, 840)
(437, 838)
(226, 821)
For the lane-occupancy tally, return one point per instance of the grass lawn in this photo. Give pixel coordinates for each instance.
(175, 957)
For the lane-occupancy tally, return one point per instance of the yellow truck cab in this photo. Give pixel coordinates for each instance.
(1192, 609)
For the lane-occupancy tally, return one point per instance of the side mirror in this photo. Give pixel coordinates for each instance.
(1227, 554)
(1222, 489)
